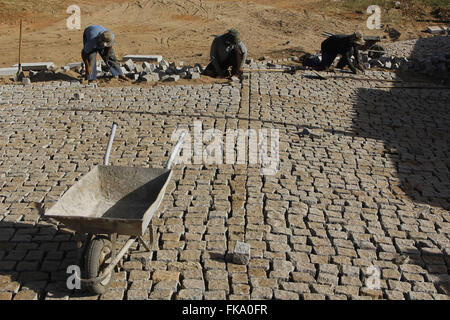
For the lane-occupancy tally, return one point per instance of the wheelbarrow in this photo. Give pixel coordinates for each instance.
(110, 201)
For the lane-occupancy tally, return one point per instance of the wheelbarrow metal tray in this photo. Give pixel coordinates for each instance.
(111, 199)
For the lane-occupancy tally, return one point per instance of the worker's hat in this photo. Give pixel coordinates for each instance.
(235, 34)
(108, 38)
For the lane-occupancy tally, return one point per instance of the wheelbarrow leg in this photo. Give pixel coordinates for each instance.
(82, 240)
(153, 238)
(142, 241)
(79, 240)
(113, 239)
(148, 246)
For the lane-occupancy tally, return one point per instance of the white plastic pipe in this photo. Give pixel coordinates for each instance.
(110, 142)
(175, 150)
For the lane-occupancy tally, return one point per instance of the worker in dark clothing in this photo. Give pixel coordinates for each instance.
(344, 45)
(343, 62)
(98, 39)
(227, 51)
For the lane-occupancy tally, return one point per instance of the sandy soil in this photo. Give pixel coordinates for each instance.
(180, 30)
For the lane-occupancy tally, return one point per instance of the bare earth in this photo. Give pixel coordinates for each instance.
(181, 30)
(362, 187)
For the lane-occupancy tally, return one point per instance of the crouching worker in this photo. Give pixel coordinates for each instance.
(344, 45)
(97, 39)
(227, 51)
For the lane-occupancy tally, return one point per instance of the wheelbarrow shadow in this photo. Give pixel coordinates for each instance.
(35, 257)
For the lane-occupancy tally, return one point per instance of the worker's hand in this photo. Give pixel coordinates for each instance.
(240, 74)
(221, 74)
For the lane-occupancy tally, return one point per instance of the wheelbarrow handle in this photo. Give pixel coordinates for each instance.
(110, 142)
(175, 150)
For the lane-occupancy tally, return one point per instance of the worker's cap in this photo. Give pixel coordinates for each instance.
(235, 35)
(107, 37)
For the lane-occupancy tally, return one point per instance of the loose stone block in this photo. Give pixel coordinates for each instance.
(150, 77)
(163, 64)
(434, 30)
(78, 96)
(36, 66)
(172, 78)
(129, 65)
(241, 253)
(5, 72)
(148, 67)
(149, 58)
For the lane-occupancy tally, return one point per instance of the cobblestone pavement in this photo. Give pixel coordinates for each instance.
(365, 192)
(419, 48)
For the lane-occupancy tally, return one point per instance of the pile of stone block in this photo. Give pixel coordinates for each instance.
(159, 70)
(429, 65)
(147, 68)
(385, 62)
(32, 67)
(428, 56)
(36, 66)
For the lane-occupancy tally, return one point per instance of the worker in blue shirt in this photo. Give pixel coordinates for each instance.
(98, 39)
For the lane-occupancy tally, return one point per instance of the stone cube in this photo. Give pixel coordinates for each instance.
(241, 253)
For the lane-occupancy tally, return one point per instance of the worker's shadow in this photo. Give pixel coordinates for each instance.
(47, 76)
(414, 124)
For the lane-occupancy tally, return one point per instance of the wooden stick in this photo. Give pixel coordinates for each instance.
(265, 70)
(20, 47)
(412, 87)
(363, 79)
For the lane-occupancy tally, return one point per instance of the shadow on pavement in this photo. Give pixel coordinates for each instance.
(35, 256)
(414, 124)
(415, 127)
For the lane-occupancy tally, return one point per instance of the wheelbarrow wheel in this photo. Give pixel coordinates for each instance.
(97, 258)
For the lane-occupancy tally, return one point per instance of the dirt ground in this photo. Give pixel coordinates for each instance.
(180, 30)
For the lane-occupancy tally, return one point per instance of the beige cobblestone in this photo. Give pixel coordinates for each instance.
(359, 194)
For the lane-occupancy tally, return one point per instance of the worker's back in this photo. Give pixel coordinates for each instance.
(221, 48)
(92, 31)
(338, 43)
